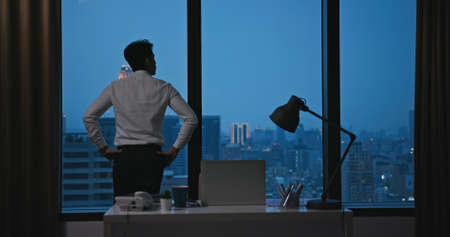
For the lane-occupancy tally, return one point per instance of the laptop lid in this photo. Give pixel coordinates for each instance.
(232, 182)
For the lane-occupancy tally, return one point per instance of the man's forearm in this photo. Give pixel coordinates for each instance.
(190, 120)
(90, 117)
(186, 132)
(94, 132)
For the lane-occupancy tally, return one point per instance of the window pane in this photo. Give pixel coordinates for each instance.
(377, 99)
(256, 54)
(94, 34)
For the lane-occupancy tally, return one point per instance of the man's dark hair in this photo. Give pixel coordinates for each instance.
(136, 53)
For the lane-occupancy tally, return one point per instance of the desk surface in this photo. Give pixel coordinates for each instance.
(240, 209)
(114, 214)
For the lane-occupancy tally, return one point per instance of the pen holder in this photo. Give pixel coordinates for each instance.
(290, 197)
(291, 202)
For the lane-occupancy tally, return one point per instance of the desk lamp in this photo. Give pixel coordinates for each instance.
(287, 117)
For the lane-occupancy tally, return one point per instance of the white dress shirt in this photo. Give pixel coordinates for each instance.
(139, 103)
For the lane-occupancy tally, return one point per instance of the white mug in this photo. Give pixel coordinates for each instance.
(165, 204)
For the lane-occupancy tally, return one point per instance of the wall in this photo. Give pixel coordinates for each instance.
(398, 226)
(83, 229)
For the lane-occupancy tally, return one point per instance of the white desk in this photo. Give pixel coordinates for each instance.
(228, 221)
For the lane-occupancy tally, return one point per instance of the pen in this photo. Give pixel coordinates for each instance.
(299, 191)
(284, 190)
(280, 191)
(288, 195)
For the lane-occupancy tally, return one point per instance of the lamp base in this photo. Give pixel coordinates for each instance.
(323, 204)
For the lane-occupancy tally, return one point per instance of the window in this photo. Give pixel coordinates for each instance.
(103, 196)
(264, 52)
(103, 186)
(76, 154)
(377, 99)
(76, 176)
(76, 165)
(78, 186)
(94, 34)
(103, 175)
(76, 197)
(102, 164)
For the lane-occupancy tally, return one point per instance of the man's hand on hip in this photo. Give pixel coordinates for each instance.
(110, 154)
(170, 155)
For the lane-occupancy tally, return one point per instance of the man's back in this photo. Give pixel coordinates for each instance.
(140, 102)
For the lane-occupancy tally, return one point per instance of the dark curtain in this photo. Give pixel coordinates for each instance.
(432, 119)
(30, 82)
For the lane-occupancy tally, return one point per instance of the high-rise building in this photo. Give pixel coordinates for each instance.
(245, 133)
(382, 167)
(401, 180)
(262, 137)
(232, 152)
(268, 136)
(411, 128)
(293, 159)
(211, 137)
(171, 128)
(251, 154)
(281, 136)
(258, 136)
(125, 71)
(87, 176)
(180, 164)
(239, 133)
(274, 156)
(299, 135)
(357, 181)
(234, 133)
(312, 138)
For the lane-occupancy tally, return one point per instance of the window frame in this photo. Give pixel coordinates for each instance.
(331, 94)
(331, 109)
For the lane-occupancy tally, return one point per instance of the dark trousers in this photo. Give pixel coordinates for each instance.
(138, 168)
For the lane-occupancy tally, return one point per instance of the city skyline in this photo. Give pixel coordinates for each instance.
(378, 169)
(226, 131)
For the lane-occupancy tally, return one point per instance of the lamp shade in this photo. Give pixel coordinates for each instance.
(287, 116)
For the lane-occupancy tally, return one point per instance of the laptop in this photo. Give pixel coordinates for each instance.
(232, 182)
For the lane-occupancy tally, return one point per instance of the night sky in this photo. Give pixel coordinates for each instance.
(256, 54)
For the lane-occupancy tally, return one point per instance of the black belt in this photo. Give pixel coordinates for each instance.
(140, 147)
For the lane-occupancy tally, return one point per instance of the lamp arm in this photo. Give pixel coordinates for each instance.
(332, 124)
(352, 139)
(333, 175)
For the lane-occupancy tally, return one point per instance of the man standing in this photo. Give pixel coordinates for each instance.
(139, 103)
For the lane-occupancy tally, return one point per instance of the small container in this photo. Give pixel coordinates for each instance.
(166, 204)
(290, 197)
(180, 196)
